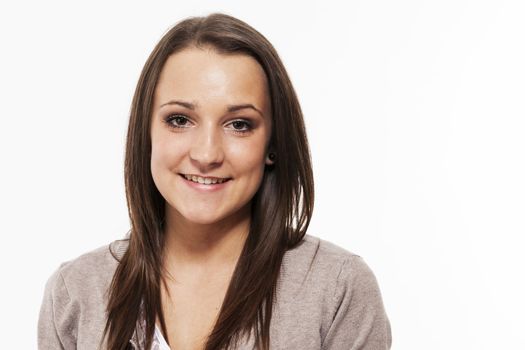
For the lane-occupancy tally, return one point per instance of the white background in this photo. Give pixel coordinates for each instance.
(414, 110)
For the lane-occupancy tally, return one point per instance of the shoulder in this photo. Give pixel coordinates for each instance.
(96, 262)
(351, 269)
(332, 292)
(332, 265)
(328, 261)
(72, 313)
(88, 273)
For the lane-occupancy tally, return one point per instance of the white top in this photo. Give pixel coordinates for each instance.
(159, 341)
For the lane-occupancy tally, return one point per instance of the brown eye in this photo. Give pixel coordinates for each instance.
(238, 124)
(180, 120)
(177, 121)
(241, 125)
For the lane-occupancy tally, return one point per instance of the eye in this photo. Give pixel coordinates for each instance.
(177, 121)
(241, 126)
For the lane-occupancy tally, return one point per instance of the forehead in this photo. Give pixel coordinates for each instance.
(206, 75)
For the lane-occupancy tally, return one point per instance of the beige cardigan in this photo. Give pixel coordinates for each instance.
(327, 298)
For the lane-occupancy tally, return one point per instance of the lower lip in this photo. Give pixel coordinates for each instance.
(204, 187)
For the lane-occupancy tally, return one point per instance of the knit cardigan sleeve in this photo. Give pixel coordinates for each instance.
(360, 321)
(58, 317)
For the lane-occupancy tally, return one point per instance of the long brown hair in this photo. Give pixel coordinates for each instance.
(280, 213)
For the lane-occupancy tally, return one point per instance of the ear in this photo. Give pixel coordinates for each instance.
(270, 158)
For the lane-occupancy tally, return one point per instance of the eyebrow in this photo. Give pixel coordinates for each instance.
(193, 106)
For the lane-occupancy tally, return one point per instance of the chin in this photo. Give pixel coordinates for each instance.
(199, 219)
(203, 221)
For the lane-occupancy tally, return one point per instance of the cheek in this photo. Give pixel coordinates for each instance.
(165, 153)
(247, 156)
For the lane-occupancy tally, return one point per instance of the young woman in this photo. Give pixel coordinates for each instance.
(220, 194)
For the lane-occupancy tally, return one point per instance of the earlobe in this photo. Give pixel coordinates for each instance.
(270, 158)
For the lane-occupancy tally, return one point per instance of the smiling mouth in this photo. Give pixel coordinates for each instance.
(205, 180)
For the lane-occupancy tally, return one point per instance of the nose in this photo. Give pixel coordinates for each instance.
(206, 151)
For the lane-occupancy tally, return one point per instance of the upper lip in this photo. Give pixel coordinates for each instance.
(206, 177)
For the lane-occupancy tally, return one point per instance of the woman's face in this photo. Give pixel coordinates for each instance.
(210, 130)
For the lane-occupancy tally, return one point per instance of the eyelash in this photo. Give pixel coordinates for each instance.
(247, 124)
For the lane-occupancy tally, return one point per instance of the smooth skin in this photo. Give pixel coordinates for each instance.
(202, 125)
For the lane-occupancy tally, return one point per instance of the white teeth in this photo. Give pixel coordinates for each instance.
(204, 180)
